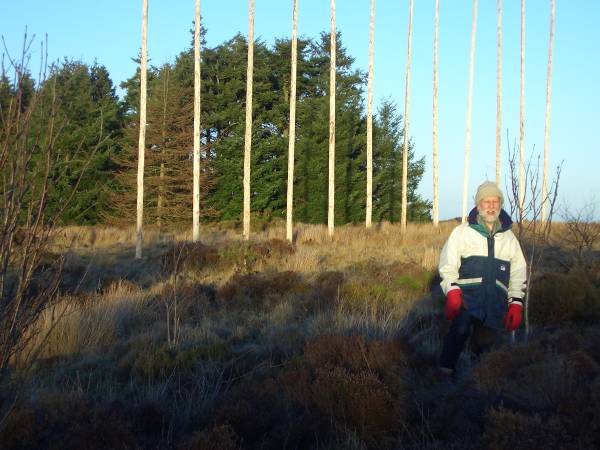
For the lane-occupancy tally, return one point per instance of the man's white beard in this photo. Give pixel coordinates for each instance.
(489, 218)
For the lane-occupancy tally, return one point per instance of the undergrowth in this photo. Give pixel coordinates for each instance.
(230, 344)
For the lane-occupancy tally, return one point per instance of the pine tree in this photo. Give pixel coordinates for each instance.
(169, 153)
(223, 132)
(387, 165)
(88, 111)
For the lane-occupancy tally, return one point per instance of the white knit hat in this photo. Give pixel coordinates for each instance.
(488, 189)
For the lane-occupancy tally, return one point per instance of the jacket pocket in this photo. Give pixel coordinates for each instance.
(502, 275)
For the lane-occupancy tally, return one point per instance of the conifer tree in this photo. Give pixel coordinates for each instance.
(87, 109)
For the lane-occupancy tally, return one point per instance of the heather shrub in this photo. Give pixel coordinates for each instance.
(559, 297)
(159, 362)
(329, 284)
(358, 400)
(349, 352)
(357, 295)
(561, 339)
(359, 385)
(246, 257)
(255, 407)
(22, 429)
(272, 248)
(536, 380)
(582, 365)
(580, 414)
(260, 289)
(591, 343)
(325, 292)
(219, 437)
(193, 300)
(496, 369)
(156, 363)
(424, 332)
(69, 421)
(507, 430)
(192, 256)
(354, 354)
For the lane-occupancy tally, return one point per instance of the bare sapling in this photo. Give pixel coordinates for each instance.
(525, 205)
(30, 126)
(170, 299)
(581, 233)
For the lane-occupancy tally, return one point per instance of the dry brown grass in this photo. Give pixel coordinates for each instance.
(82, 324)
(315, 250)
(359, 281)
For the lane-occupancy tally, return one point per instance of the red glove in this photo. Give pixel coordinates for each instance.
(453, 303)
(513, 316)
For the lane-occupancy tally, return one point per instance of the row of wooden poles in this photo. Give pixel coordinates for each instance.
(332, 89)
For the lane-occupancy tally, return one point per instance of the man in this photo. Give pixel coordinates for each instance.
(483, 275)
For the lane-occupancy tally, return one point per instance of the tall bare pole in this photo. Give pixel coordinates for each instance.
(248, 136)
(522, 117)
(406, 105)
(142, 137)
(436, 199)
(369, 211)
(292, 135)
(332, 72)
(499, 98)
(469, 107)
(547, 126)
(197, 104)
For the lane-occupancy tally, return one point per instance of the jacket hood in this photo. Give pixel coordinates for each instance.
(505, 220)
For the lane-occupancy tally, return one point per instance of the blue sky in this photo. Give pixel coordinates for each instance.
(108, 31)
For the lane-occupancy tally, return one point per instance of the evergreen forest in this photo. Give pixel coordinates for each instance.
(99, 132)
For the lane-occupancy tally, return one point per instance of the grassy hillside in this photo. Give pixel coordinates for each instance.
(329, 343)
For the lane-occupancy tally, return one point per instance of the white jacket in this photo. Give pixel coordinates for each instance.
(491, 271)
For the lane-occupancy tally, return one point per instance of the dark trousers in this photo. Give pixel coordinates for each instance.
(464, 326)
